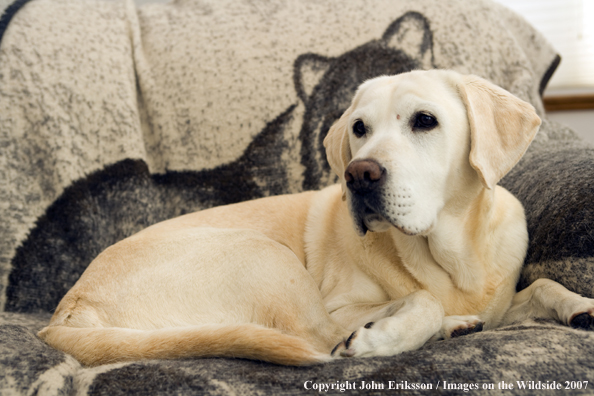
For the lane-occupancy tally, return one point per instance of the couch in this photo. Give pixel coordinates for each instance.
(114, 117)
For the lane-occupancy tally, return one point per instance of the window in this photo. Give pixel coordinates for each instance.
(569, 27)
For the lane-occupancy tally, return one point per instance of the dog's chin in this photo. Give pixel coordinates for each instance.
(372, 221)
(376, 223)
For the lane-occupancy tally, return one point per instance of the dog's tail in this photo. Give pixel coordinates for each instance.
(94, 346)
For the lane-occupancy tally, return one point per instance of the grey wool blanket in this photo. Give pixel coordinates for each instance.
(114, 117)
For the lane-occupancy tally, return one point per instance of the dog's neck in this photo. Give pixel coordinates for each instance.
(455, 250)
(459, 242)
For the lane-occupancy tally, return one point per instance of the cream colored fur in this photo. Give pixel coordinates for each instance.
(302, 279)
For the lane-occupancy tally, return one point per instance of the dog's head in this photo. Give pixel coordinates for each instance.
(411, 144)
(326, 85)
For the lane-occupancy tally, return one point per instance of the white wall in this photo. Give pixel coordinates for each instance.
(141, 2)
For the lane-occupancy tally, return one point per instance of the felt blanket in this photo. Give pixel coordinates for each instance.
(114, 117)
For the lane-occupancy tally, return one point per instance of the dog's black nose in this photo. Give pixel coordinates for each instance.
(364, 176)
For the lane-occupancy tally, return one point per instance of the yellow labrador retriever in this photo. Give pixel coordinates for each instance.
(416, 243)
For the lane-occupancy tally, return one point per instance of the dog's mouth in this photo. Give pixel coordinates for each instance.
(369, 215)
(373, 221)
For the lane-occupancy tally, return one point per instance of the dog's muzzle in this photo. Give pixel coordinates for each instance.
(364, 179)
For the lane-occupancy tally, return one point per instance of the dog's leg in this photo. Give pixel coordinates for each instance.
(357, 315)
(353, 316)
(416, 319)
(547, 299)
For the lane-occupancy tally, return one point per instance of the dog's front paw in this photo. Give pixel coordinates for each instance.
(583, 320)
(348, 348)
(386, 337)
(361, 342)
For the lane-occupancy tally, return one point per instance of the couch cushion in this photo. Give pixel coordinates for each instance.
(534, 353)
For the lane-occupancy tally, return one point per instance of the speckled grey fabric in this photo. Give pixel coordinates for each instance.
(113, 118)
(530, 353)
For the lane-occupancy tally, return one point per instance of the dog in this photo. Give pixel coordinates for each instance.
(416, 243)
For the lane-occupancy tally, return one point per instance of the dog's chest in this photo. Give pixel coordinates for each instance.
(382, 262)
(368, 271)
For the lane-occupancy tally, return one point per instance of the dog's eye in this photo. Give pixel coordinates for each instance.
(424, 121)
(359, 128)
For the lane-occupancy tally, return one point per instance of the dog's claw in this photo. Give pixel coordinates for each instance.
(342, 350)
(344, 347)
(337, 347)
(467, 330)
(350, 339)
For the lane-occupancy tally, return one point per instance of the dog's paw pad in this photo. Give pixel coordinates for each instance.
(465, 330)
(584, 321)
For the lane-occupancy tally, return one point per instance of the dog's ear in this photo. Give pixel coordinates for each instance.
(501, 128)
(338, 148)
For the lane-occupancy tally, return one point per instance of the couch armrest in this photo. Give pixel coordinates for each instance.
(555, 183)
